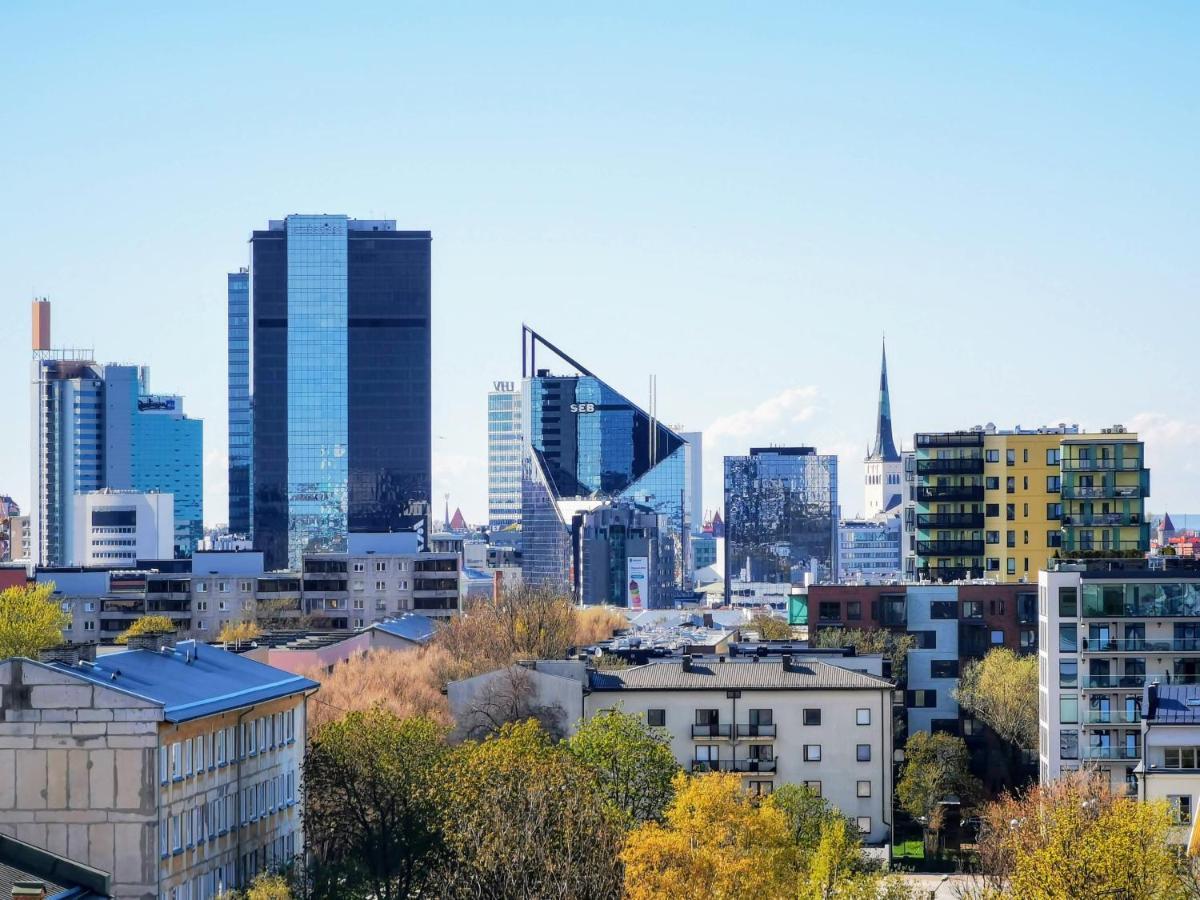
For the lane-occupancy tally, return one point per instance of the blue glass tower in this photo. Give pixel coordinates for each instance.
(340, 382)
(168, 458)
(239, 402)
(587, 445)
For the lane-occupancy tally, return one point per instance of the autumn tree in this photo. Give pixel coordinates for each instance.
(598, 623)
(237, 633)
(372, 804)
(30, 620)
(1075, 838)
(936, 770)
(716, 841)
(1002, 690)
(525, 818)
(146, 625)
(770, 628)
(505, 696)
(631, 760)
(867, 642)
(404, 682)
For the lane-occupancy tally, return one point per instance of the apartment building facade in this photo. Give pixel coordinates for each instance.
(1002, 505)
(176, 769)
(1108, 630)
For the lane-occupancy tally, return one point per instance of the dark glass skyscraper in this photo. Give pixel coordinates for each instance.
(586, 445)
(781, 515)
(340, 312)
(239, 402)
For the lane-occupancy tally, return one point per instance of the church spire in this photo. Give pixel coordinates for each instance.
(885, 447)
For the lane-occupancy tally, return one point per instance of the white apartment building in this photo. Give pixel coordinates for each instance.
(774, 721)
(1108, 629)
(175, 770)
(1170, 769)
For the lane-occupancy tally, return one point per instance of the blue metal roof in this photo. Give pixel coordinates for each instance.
(410, 626)
(192, 680)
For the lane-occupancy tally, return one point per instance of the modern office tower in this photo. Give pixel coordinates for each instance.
(239, 402)
(781, 516)
(1113, 628)
(167, 456)
(1003, 504)
(626, 557)
(694, 460)
(869, 550)
(340, 383)
(504, 456)
(884, 469)
(586, 446)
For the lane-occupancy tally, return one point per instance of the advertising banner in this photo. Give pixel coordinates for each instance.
(639, 579)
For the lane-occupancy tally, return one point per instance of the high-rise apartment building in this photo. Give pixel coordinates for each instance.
(883, 476)
(1003, 504)
(98, 426)
(694, 461)
(781, 516)
(340, 382)
(504, 456)
(585, 446)
(238, 288)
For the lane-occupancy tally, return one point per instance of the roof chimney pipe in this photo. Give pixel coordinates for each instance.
(687, 662)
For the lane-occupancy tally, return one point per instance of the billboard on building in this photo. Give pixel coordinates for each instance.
(638, 572)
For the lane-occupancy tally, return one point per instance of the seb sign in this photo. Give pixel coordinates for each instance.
(582, 408)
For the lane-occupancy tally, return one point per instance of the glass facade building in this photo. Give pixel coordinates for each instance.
(781, 516)
(586, 445)
(239, 401)
(504, 457)
(340, 383)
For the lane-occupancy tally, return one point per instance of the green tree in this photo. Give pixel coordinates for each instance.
(892, 646)
(935, 771)
(770, 628)
(806, 810)
(30, 620)
(1002, 690)
(631, 760)
(525, 818)
(372, 804)
(146, 625)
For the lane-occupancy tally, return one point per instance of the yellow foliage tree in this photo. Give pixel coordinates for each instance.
(597, 623)
(404, 682)
(30, 620)
(238, 632)
(146, 625)
(716, 842)
(1002, 690)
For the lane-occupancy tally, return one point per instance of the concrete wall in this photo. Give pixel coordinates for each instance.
(560, 697)
(77, 773)
(300, 661)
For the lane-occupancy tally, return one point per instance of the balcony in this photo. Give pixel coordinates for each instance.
(950, 520)
(1138, 645)
(756, 731)
(949, 573)
(972, 465)
(1112, 717)
(710, 731)
(754, 765)
(1110, 752)
(950, 439)
(1112, 682)
(949, 548)
(1100, 465)
(1116, 518)
(949, 493)
(1103, 491)
(712, 765)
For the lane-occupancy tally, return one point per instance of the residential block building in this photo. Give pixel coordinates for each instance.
(1169, 769)
(1002, 505)
(174, 769)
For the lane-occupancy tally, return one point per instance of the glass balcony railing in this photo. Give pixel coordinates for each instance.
(950, 439)
(753, 731)
(754, 765)
(950, 520)
(1100, 465)
(1101, 519)
(950, 548)
(1101, 491)
(1112, 717)
(1140, 645)
(948, 493)
(707, 731)
(1141, 601)
(712, 765)
(1111, 752)
(962, 466)
(1112, 682)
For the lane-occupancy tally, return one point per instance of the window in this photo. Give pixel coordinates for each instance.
(992, 509)
(992, 456)
(943, 668)
(656, 717)
(246, 586)
(1068, 709)
(761, 788)
(830, 611)
(381, 585)
(926, 640)
(991, 483)
(1179, 757)
(201, 587)
(1053, 484)
(198, 752)
(1068, 602)
(358, 567)
(997, 638)
(1181, 808)
(90, 625)
(1053, 511)
(1068, 673)
(1052, 456)
(176, 762)
(1012, 565)
(814, 786)
(941, 609)
(864, 824)
(854, 610)
(863, 752)
(972, 609)
(1068, 638)
(862, 716)
(767, 716)
(1010, 485)
(993, 537)
(812, 752)
(812, 717)
(1053, 538)
(920, 699)
(1010, 457)
(1010, 511)
(1010, 538)
(864, 789)
(992, 564)
(223, 587)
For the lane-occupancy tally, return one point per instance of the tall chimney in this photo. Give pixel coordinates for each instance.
(41, 324)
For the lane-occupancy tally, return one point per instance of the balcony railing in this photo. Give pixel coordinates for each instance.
(754, 765)
(949, 493)
(710, 731)
(712, 765)
(963, 466)
(1111, 752)
(950, 520)
(1112, 717)
(753, 731)
(1112, 682)
(1102, 519)
(1120, 491)
(950, 548)
(948, 573)
(1093, 465)
(1139, 645)
(950, 439)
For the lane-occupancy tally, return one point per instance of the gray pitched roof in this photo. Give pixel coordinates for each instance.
(749, 674)
(1178, 704)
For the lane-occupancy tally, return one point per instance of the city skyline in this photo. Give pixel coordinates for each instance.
(1056, 214)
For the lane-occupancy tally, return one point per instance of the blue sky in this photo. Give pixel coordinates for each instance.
(739, 198)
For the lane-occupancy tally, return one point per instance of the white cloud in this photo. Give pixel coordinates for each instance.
(772, 416)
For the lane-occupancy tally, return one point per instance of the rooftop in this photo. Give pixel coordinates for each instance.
(22, 863)
(190, 680)
(410, 626)
(1177, 704)
(736, 674)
